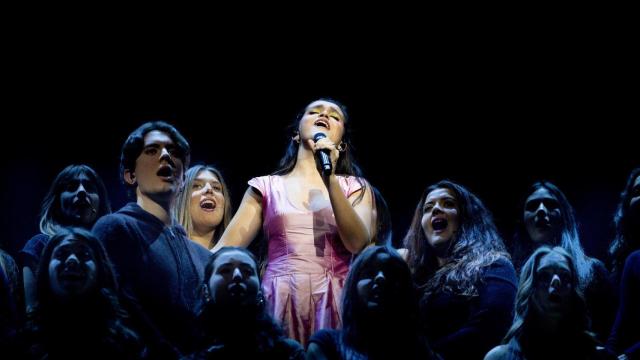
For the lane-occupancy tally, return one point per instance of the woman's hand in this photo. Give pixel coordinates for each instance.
(326, 143)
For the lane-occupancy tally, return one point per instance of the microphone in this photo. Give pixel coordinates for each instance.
(325, 159)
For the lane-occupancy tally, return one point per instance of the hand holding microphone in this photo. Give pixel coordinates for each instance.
(324, 156)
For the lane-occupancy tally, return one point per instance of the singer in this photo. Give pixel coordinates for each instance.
(314, 221)
(77, 197)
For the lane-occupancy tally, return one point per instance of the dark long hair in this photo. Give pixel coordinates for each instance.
(624, 243)
(475, 245)
(403, 313)
(48, 318)
(346, 164)
(569, 237)
(261, 330)
(578, 318)
(51, 218)
(105, 274)
(383, 232)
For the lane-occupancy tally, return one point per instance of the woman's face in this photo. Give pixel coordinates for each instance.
(325, 117)
(207, 202)
(379, 283)
(72, 269)
(79, 201)
(543, 217)
(234, 281)
(440, 219)
(553, 285)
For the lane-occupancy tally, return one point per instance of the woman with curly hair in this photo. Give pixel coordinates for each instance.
(467, 281)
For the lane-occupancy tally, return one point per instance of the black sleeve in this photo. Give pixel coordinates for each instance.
(625, 336)
(29, 256)
(292, 350)
(325, 339)
(122, 248)
(490, 317)
(598, 298)
(8, 305)
(124, 252)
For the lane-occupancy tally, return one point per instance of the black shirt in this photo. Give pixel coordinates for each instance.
(159, 268)
(460, 327)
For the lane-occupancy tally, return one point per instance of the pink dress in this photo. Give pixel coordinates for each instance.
(307, 262)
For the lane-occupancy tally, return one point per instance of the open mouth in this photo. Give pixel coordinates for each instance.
(237, 290)
(69, 275)
(542, 223)
(376, 294)
(555, 298)
(165, 171)
(322, 123)
(439, 224)
(207, 205)
(82, 204)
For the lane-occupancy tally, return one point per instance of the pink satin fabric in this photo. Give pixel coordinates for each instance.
(307, 262)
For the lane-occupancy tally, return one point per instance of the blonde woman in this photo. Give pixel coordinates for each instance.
(203, 207)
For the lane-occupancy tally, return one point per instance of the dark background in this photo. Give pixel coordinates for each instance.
(495, 122)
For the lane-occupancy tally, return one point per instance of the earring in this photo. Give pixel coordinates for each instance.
(260, 300)
(296, 137)
(206, 293)
(342, 147)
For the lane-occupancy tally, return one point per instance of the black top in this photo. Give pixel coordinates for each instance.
(283, 349)
(10, 290)
(30, 254)
(334, 348)
(159, 269)
(460, 327)
(331, 344)
(600, 302)
(625, 336)
(583, 348)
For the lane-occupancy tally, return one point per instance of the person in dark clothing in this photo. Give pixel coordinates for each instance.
(234, 320)
(379, 311)
(459, 262)
(551, 320)
(625, 336)
(10, 300)
(549, 219)
(627, 226)
(77, 197)
(77, 314)
(159, 268)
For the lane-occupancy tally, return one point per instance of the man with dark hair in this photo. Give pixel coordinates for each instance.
(159, 269)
